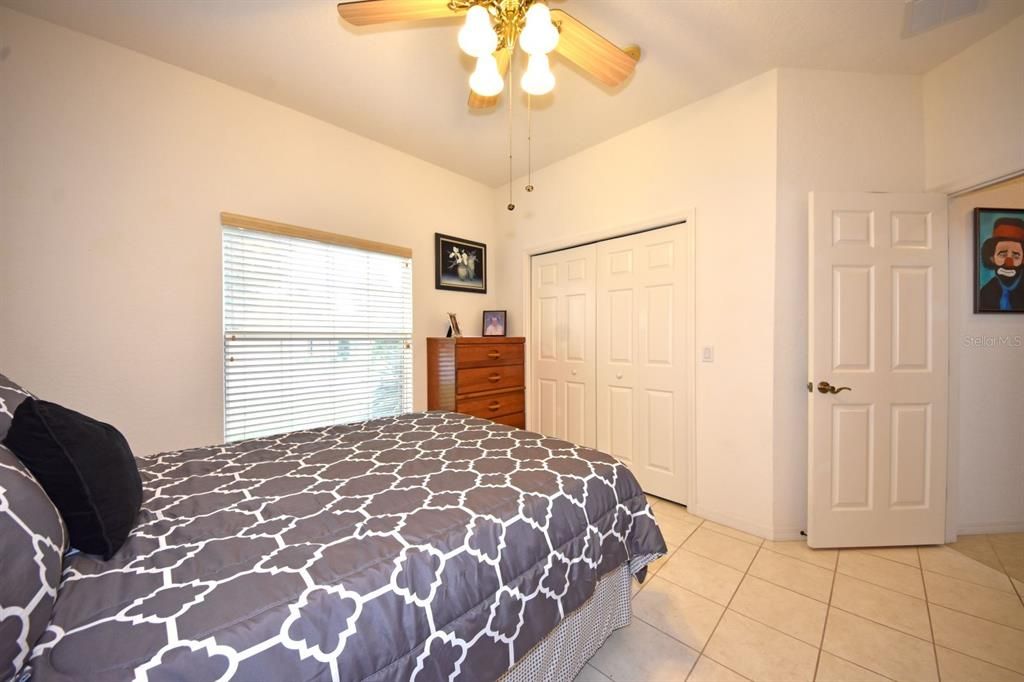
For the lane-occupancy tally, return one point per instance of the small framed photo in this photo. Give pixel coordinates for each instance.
(998, 260)
(494, 323)
(453, 326)
(459, 264)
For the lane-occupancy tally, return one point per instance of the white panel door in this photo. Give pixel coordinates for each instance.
(563, 345)
(643, 357)
(878, 336)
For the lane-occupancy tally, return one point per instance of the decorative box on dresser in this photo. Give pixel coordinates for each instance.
(481, 376)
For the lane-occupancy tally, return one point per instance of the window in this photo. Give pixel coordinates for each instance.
(315, 333)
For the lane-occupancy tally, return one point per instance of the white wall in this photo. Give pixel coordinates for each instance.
(986, 384)
(716, 156)
(837, 132)
(974, 112)
(114, 169)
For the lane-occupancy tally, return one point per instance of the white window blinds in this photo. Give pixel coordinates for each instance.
(314, 334)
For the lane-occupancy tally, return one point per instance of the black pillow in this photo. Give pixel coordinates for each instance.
(87, 469)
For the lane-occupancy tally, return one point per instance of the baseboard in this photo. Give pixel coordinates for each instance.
(782, 534)
(727, 519)
(980, 528)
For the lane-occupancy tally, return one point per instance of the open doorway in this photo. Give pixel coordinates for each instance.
(986, 431)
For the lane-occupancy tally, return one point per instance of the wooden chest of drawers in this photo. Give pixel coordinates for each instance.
(479, 376)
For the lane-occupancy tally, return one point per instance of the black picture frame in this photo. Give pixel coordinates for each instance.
(459, 264)
(499, 314)
(988, 291)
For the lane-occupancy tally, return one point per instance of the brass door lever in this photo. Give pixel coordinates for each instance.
(825, 387)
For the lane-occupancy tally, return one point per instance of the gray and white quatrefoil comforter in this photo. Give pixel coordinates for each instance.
(430, 546)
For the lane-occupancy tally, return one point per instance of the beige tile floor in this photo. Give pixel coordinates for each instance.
(726, 605)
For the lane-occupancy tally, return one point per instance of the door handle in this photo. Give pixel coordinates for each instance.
(825, 387)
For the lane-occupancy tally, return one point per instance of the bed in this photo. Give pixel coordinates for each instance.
(429, 546)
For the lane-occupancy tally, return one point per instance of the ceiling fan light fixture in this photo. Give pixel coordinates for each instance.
(486, 80)
(477, 37)
(539, 35)
(538, 79)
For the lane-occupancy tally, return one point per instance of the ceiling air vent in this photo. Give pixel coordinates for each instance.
(924, 15)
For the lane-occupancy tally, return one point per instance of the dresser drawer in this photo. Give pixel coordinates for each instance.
(488, 355)
(517, 420)
(491, 406)
(479, 379)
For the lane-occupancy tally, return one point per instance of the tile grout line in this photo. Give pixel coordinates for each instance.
(633, 616)
(1014, 591)
(724, 611)
(867, 550)
(863, 579)
(972, 582)
(668, 556)
(650, 578)
(981, 660)
(860, 665)
(726, 535)
(981, 563)
(1002, 564)
(954, 609)
(926, 601)
(828, 611)
(881, 624)
(770, 582)
(805, 561)
(931, 626)
(836, 572)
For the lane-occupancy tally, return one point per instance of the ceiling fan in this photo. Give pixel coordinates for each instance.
(491, 33)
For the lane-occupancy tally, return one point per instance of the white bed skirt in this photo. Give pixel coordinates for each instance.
(561, 655)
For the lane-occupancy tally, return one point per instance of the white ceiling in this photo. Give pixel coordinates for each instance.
(405, 85)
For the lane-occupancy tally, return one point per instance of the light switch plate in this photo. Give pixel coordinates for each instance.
(707, 354)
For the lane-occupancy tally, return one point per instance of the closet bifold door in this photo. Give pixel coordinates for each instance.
(642, 363)
(563, 344)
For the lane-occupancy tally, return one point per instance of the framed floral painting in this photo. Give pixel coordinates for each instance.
(459, 264)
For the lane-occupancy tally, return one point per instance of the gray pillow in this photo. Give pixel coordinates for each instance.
(32, 543)
(11, 395)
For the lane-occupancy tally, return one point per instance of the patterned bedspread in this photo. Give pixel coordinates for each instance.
(430, 546)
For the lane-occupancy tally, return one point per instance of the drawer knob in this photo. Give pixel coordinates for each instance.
(494, 354)
(494, 405)
(494, 378)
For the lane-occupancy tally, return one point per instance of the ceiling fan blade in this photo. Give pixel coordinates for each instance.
(479, 101)
(591, 51)
(366, 12)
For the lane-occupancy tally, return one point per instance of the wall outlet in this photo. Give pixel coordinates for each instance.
(707, 354)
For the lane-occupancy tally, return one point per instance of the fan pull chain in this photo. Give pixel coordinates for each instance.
(511, 205)
(529, 142)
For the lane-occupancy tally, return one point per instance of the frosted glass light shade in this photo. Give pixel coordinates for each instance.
(477, 36)
(486, 80)
(539, 35)
(538, 79)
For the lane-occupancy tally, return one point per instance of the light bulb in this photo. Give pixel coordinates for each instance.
(538, 79)
(486, 81)
(539, 35)
(477, 36)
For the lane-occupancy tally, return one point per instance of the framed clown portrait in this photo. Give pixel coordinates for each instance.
(998, 260)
